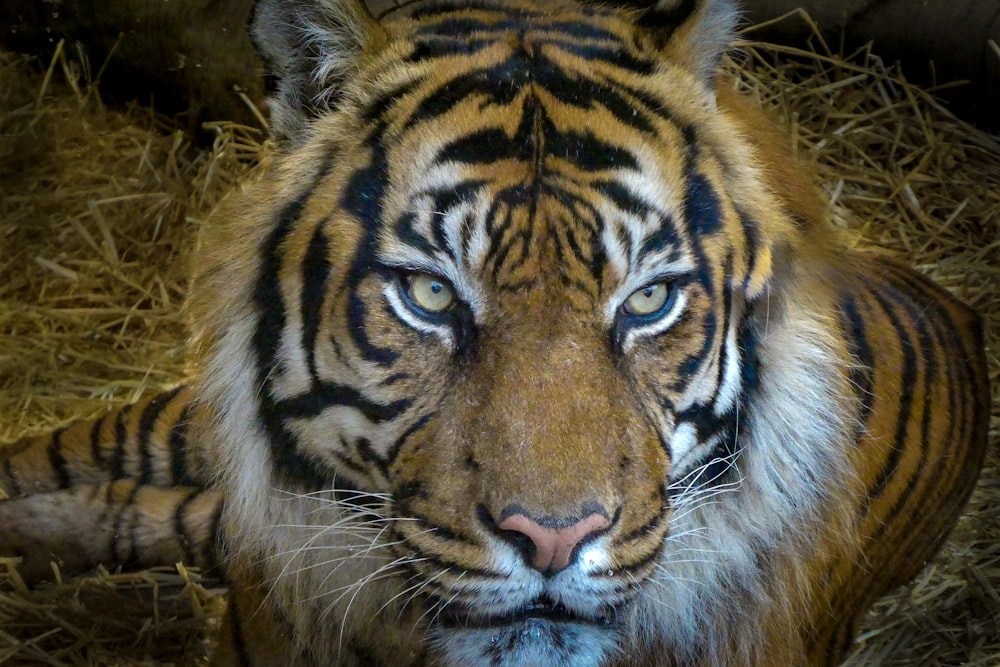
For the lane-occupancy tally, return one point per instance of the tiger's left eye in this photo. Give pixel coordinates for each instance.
(430, 293)
(648, 300)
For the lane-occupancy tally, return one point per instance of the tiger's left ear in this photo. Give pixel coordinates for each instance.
(309, 48)
(694, 33)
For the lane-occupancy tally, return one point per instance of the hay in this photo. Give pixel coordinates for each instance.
(161, 616)
(97, 221)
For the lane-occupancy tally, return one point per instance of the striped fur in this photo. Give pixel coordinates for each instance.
(126, 488)
(789, 432)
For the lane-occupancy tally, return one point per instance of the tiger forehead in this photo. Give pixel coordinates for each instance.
(507, 46)
(527, 153)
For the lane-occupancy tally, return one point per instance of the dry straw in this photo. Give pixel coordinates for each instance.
(98, 215)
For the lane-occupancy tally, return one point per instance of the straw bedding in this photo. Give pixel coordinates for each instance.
(98, 216)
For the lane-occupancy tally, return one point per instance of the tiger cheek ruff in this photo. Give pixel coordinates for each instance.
(533, 347)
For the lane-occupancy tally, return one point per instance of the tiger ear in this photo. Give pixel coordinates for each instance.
(309, 48)
(694, 33)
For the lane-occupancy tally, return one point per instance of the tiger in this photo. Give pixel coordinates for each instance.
(533, 346)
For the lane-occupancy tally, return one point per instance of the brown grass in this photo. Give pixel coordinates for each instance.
(98, 216)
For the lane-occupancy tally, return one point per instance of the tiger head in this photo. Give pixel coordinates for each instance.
(482, 341)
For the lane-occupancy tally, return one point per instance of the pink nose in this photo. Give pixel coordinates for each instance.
(554, 546)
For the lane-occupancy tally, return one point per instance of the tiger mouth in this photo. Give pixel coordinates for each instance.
(462, 617)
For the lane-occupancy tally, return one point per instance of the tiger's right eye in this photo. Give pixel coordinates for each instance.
(430, 293)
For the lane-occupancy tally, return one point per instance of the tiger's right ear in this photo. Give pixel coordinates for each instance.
(309, 48)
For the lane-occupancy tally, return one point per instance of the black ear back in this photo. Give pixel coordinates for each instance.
(309, 47)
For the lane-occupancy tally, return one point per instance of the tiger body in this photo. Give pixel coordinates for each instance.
(533, 347)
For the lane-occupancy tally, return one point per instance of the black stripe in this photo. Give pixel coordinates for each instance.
(147, 429)
(364, 199)
(95, 439)
(179, 474)
(270, 307)
(328, 395)
(843, 640)
(718, 466)
(751, 235)
(727, 316)
(504, 242)
(655, 521)
(346, 462)
(118, 454)
(58, 462)
(180, 529)
(908, 373)
(435, 563)
(484, 146)
(632, 107)
(648, 559)
(626, 201)
(702, 209)
(405, 230)
(586, 151)
(364, 447)
(131, 558)
(431, 47)
(316, 270)
(236, 632)
(931, 322)
(267, 294)
(588, 41)
(690, 365)
(213, 546)
(664, 237)
(442, 202)
(862, 367)
(407, 434)
(109, 505)
(501, 83)
(748, 342)
(357, 314)
(594, 44)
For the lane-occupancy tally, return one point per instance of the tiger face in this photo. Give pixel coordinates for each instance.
(481, 350)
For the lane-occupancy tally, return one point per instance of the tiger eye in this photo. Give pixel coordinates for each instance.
(647, 300)
(430, 293)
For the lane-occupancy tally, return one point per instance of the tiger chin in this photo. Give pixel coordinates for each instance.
(532, 347)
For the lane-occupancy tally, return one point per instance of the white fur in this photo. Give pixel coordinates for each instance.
(710, 592)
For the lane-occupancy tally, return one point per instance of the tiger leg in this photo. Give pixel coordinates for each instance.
(153, 441)
(115, 523)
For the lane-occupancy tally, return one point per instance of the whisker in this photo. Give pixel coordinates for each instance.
(417, 587)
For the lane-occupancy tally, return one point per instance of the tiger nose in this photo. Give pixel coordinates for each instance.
(554, 542)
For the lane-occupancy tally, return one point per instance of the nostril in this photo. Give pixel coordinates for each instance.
(547, 544)
(515, 538)
(521, 542)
